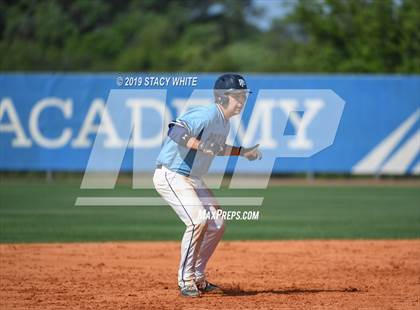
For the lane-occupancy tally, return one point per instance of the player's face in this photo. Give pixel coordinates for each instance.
(237, 102)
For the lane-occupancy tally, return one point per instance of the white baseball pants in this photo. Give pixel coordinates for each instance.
(190, 198)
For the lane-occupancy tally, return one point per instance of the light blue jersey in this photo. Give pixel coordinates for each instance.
(204, 123)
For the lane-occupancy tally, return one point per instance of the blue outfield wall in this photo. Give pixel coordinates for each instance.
(49, 121)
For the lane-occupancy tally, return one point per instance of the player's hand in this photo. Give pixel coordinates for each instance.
(211, 148)
(251, 153)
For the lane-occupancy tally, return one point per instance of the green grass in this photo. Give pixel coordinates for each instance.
(46, 213)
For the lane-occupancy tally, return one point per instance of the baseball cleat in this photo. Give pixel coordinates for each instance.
(207, 287)
(190, 291)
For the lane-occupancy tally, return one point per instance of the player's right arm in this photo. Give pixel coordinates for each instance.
(251, 153)
(181, 134)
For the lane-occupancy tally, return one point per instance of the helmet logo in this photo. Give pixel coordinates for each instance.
(241, 82)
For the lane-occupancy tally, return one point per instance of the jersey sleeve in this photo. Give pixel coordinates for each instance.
(195, 120)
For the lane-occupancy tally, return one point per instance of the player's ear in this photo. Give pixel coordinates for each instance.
(225, 101)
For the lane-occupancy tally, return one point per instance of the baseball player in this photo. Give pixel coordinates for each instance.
(194, 139)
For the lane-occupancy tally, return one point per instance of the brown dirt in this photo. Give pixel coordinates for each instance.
(255, 275)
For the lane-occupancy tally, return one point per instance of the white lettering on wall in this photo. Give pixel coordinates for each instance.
(137, 106)
(301, 123)
(65, 106)
(14, 125)
(106, 127)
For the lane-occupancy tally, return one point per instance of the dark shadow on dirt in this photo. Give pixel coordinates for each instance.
(236, 291)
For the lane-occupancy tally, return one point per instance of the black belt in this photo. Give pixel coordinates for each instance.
(159, 166)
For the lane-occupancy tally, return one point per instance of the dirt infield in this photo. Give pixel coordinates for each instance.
(254, 275)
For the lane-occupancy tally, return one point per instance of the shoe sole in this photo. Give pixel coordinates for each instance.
(190, 296)
(215, 291)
